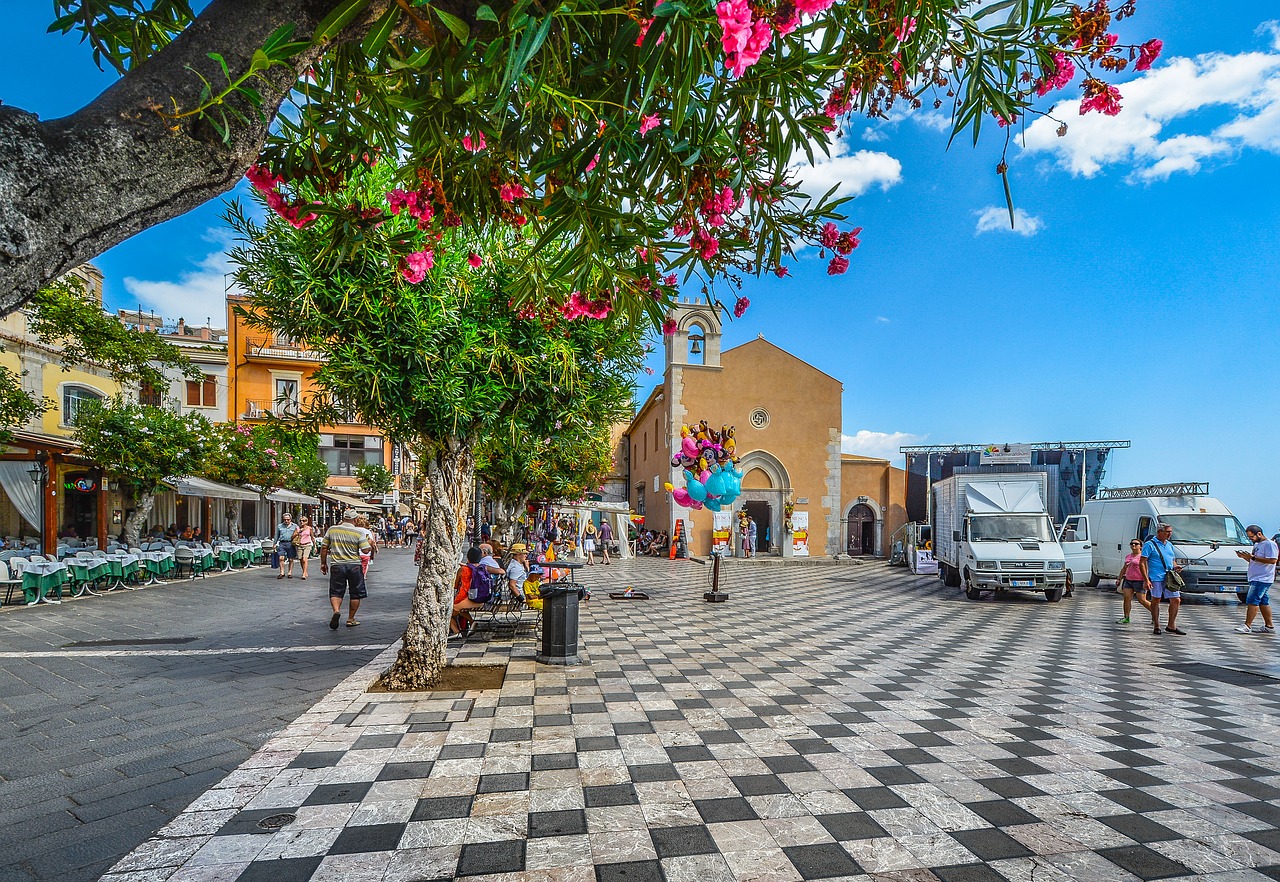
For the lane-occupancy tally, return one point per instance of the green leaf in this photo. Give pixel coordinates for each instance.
(484, 12)
(381, 31)
(456, 26)
(341, 16)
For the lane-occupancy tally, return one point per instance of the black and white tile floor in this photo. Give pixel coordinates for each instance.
(829, 722)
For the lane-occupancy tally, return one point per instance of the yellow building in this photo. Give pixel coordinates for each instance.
(72, 495)
(787, 418)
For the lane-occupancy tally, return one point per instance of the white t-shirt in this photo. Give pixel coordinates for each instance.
(517, 573)
(488, 561)
(1260, 572)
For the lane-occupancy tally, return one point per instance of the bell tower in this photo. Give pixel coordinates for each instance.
(696, 341)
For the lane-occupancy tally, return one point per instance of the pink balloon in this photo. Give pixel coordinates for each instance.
(706, 473)
(682, 498)
(697, 506)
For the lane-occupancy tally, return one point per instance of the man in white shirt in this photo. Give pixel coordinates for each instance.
(487, 560)
(1262, 574)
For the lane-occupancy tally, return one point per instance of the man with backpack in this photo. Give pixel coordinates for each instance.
(472, 588)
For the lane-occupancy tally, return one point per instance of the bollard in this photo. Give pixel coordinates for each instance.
(559, 625)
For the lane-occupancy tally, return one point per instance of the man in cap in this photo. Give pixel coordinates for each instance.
(1262, 574)
(344, 543)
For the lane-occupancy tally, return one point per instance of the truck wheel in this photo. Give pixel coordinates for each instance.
(1243, 595)
(1071, 583)
(952, 578)
(1053, 595)
(970, 590)
(1094, 578)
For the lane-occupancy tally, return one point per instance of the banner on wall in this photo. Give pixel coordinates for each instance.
(721, 532)
(800, 534)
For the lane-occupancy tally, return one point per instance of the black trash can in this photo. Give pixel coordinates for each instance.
(559, 625)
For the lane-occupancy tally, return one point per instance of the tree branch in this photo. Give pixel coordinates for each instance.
(71, 188)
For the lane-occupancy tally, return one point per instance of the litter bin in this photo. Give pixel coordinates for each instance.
(560, 624)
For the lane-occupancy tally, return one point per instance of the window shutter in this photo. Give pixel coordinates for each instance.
(210, 391)
(193, 393)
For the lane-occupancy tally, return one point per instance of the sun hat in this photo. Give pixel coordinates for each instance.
(519, 548)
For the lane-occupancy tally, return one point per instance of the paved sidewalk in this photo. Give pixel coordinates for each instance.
(826, 723)
(118, 711)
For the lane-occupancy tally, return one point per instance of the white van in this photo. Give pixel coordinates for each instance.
(1206, 536)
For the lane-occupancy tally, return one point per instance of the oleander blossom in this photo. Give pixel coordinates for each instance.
(1064, 71)
(648, 123)
(813, 7)
(511, 192)
(906, 29)
(786, 19)
(645, 23)
(740, 307)
(1148, 52)
(579, 306)
(1100, 97)
(669, 328)
(416, 265)
(830, 234)
(837, 266)
(268, 185)
(743, 37)
(475, 260)
(705, 244)
(474, 145)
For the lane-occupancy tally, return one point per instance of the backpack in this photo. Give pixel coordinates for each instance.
(481, 584)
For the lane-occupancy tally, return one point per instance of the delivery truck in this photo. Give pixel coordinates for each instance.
(1206, 535)
(992, 533)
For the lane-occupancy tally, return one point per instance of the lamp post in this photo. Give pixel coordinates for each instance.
(38, 472)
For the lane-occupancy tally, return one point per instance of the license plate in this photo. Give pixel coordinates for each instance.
(1225, 588)
(1023, 583)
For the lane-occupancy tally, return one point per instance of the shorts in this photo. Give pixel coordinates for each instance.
(1134, 585)
(1259, 594)
(288, 551)
(347, 575)
(1159, 592)
(303, 552)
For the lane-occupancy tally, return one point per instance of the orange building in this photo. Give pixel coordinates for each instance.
(271, 375)
(787, 419)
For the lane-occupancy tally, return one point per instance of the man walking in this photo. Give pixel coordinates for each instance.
(345, 542)
(1157, 563)
(1262, 573)
(287, 551)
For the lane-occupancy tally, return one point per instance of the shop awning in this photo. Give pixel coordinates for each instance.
(290, 497)
(348, 501)
(212, 489)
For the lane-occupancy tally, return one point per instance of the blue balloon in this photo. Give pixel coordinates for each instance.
(715, 484)
(697, 490)
(712, 504)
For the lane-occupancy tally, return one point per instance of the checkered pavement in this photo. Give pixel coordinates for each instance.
(828, 722)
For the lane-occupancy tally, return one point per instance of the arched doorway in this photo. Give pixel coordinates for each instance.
(765, 487)
(861, 531)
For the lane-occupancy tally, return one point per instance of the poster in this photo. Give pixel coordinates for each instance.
(924, 563)
(721, 532)
(800, 534)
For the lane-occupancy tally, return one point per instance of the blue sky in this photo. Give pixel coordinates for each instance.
(1135, 303)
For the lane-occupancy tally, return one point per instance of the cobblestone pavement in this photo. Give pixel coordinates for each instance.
(101, 745)
(848, 722)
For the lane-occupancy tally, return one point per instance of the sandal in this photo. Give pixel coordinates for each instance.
(352, 623)
(281, 576)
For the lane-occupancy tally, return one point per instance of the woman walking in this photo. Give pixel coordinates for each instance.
(606, 536)
(589, 542)
(303, 541)
(1131, 581)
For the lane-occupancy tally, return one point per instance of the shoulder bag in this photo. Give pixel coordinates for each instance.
(1171, 576)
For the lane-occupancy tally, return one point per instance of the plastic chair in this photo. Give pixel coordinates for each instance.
(9, 583)
(184, 558)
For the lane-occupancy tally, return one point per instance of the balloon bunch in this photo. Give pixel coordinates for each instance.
(711, 474)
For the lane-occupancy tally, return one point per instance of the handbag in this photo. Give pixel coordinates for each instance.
(1171, 576)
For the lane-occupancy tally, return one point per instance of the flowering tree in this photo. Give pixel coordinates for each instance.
(140, 446)
(268, 456)
(645, 137)
(419, 338)
(374, 478)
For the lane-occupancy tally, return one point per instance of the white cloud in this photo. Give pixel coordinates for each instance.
(195, 296)
(882, 445)
(995, 218)
(1179, 92)
(882, 320)
(852, 174)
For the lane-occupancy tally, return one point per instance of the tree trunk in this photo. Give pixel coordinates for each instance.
(507, 514)
(450, 474)
(233, 519)
(133, 523)
(71, 188)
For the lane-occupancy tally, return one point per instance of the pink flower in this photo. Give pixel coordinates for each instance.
(740, 307)
(475, 260)
(591, 164)
(744, 39)
(781, 272)
(1148, 52)
(416, 265)
(705, 244)
(1100, 97)
(830, 233)
(644, 28)
(906, 29)
(837, 103)
(511, 192)
(262, 179)
(681, 229)
(837, 266)
(1002, 122)
(786, 19)
(648, 123)
(848, 241)
(669, 328)
(813, 7)
(474, 146)
(1064, 71)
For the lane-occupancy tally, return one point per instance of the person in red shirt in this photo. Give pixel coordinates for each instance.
(460, 622)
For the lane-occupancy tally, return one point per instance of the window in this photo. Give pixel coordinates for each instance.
(150, 396)
(345, 452)
(202, 393)
(72, 398)
(285, 402)
(640, 499)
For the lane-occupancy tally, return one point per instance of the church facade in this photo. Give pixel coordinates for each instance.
(787, 420)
